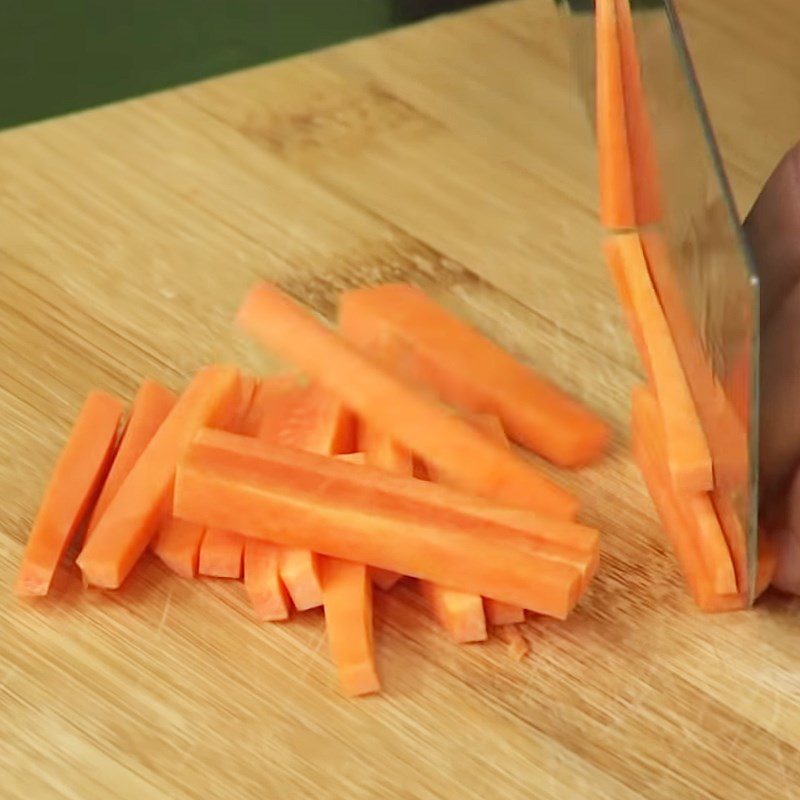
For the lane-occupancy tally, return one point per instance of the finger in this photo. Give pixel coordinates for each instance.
(773, 231)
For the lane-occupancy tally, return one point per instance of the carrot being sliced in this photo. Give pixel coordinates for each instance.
(73, 486)
(459, 613)
(150, 408)
(645, 178)
(262, 581)
(178, 545)
(347, 592)
(401, 524)
(688, 455)
(704, 560)
(617, 204)
(221, 553)
(143, 499)
(383, 452)
(434, 433)
(433, 348)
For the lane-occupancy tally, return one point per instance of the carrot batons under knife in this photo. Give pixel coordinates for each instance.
(136, 510)
(437, 350)
(383, 400)
(347, 593)
(73, 485)
(178, 545)
(688, 455)
(262, 581)
(150, 407)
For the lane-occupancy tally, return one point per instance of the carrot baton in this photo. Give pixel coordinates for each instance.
(73, 485)
(178, 545)
(393, 407)
(135, 511)
(262, 581)
(150, 407)
(401, 524)
(433, 348)
(221, 553)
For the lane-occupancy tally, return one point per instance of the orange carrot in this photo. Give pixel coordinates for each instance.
(347, 591)
(645, 176)
(401, 524)
(73, 485)
(435, 349)
(383, 452)
(704, 559)
(459, 613)
(150, 407)
(299, 569)
(390, 405)
(178, 545)
(262, 581)
(221, 553)
(135, 511)
(517, 644)
(617, 205)
(688, 455)
(352, 458)
(240, 404)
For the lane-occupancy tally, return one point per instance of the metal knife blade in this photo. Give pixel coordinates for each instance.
(704, 272)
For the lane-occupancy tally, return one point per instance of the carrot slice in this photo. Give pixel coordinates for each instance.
(391, 406)
(435, 349)
(262, 581)
(617, 205)
(689, 458)
(150, 407)
(347, 590)
(646, 181)
(73, 485)
(459, 613)
(178, 545)
(221, 553)
(701, 549)
(135, 511)
(401, 524)
(383, 452)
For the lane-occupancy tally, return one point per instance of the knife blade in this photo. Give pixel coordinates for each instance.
(699, 260)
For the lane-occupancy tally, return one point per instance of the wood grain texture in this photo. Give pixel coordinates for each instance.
(455, 154)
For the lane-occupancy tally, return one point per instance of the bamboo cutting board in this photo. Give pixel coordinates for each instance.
(454, 154)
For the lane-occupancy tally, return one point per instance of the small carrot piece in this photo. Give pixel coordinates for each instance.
(178, 545)
(150, 408)
(305, 500)
(347, 590)
(689, 457)
(499, 613)
(390, 405)
(73, 485)
(704, 559)
(135, 511)
(434, 349)
(383, 452)
(262, 581)
(459, 613)
(617, 204)
(221, 553)
(299, 570)
(518, 646)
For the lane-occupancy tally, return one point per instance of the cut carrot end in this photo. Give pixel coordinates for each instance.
(263, 583)
(178, 545)
(459, 613)
(498, 613)
(221, 553)
(299, 570)
(384, 579)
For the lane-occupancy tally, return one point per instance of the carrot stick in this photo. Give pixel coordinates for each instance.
(150, 407)
(617, 205)
(262, 581)
(646, 180)
(221, 553)
(459, 613)
(178, 545)
(702, 554)
(299, 569)
(73, 485)
(240, 404)
(383, 452)
(688, 455)
(347, 591)
(401, 524)
(435, 349)
(135, 511)
(392, 406)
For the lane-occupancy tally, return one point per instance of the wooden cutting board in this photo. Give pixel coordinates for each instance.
(455, 154)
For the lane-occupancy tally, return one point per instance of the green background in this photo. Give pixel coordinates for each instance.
(58, 56)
